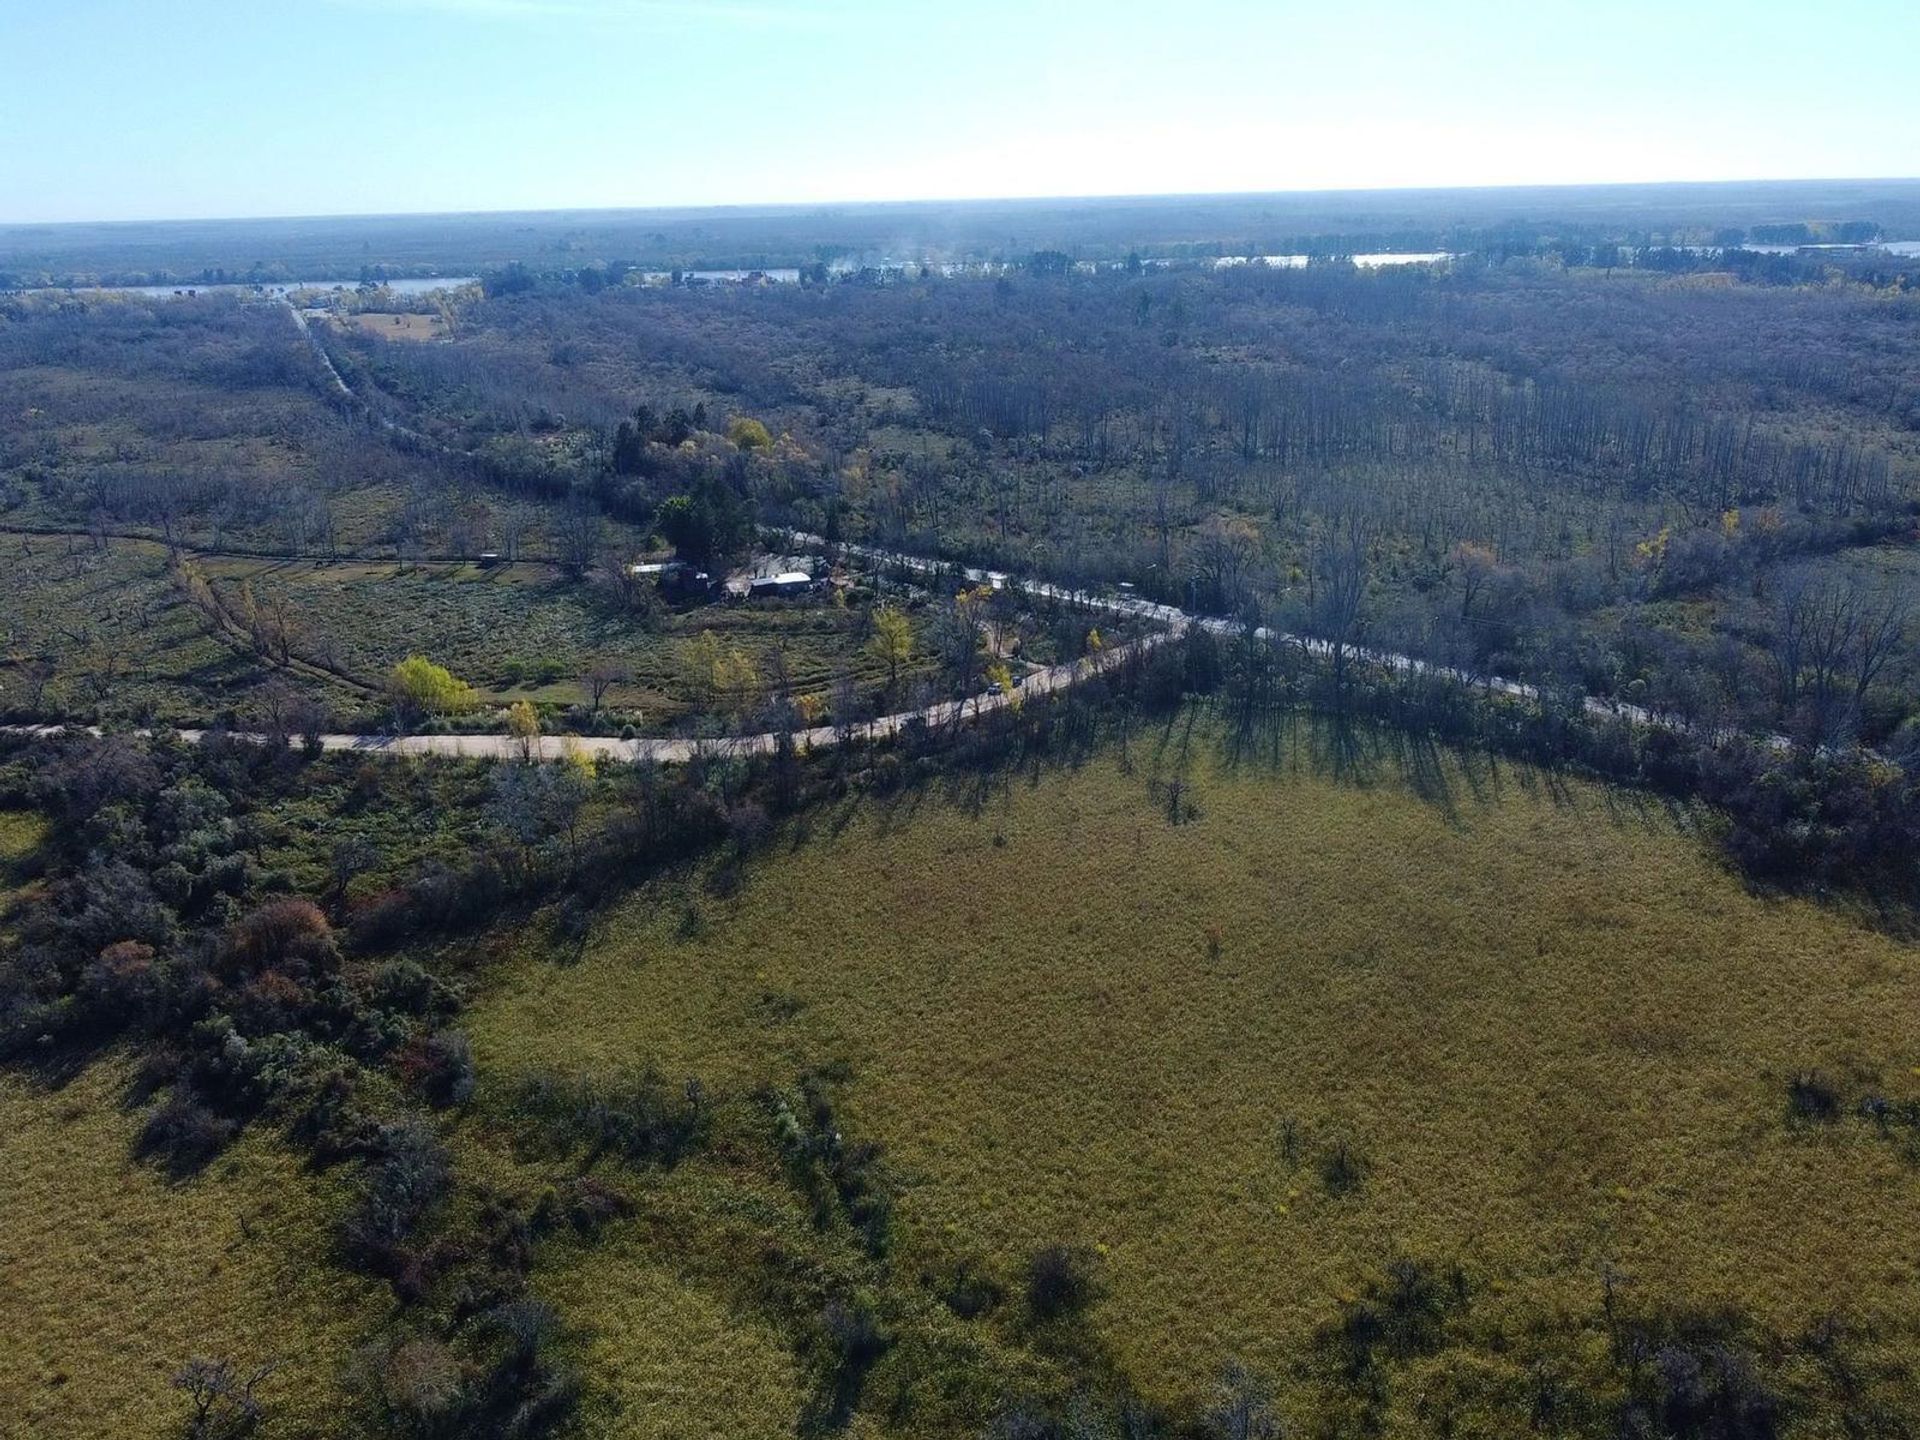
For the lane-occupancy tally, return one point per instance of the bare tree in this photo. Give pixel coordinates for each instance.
(1474, 566)
(1340, 566)
(223, 1399)
(276, 709)
(352, 857)
(1223, 556)
(513, 526)
(578, 538)
(35, 676)
(1882, 635)
(1830, 642)
(308, 718)
(602, 675)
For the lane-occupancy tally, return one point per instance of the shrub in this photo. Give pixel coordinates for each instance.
(969, 1293)
(403, 986)
(222, 1398)
(747, 827)
(291, 935)
(268, 1003)
(640, 1121)
(830, 1171)
(1060, 1281)
(125, 983)
(1812, 1098)
(590, 1204)
(854, 1340)
(404, 1180)
(1711, 1392)
(1343, 1169)
(183, 1133)
(1242, 1407)
(326, 1114)
(423, 1382)
(446, 1069)
(527, 1325)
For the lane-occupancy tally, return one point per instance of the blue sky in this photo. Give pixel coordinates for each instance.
(141, 109)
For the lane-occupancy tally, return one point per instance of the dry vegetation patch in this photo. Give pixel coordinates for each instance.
(104, 630)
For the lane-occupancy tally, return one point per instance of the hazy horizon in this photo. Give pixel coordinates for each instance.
(425, 107)
(750, 207)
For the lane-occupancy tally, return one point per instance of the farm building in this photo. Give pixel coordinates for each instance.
(787, 582)
(674, 577)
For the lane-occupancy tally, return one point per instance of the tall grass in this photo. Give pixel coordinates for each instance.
(1476, 1018)
(115, 1277)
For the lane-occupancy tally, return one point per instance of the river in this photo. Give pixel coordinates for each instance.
(278, 288)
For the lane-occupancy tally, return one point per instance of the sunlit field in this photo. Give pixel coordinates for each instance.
(1528, 1029)
(113, 1276)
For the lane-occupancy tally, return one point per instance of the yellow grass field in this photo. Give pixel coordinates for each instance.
(19, 834)
(668, 1357)
(391, 326)
(1554, 1031)
(111, 1277)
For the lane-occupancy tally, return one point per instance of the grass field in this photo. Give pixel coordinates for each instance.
(112, 1277)
(397, 326)
(119, 635)
(523, 631)
(1551, 1033)
(108, 633)
(669, 1355)
(20, 835)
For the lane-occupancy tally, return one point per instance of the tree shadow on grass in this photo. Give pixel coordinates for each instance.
(1452, 779)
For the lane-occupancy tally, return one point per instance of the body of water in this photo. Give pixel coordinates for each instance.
(1905, 249)
(777, 275)
(1365, 262)
(280, 287)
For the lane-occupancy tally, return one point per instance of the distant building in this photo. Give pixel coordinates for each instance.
(787, 582)
(676, 578)
(782, 584)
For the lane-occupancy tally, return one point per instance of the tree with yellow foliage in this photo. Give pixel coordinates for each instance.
(418, 687)
(723, 674)
(523, 724)
(892, 641)
(749, 434)
(1001, 678)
